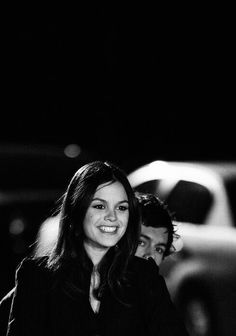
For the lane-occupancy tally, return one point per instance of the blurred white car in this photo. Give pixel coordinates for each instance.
(202, 277)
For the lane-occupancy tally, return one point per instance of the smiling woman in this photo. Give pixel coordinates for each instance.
(90, 282)
(107, 218)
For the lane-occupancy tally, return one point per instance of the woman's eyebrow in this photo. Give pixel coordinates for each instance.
(98, 199)
(103, 200)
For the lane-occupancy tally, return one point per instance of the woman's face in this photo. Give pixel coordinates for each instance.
(107, 216)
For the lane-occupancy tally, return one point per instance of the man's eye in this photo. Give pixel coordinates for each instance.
(160, 250)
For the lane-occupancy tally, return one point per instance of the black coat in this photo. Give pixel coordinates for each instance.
(42, 307)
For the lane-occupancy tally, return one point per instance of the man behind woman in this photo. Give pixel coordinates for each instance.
(158, 237)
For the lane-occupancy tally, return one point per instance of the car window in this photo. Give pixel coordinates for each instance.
(230, 185)
(188, 201)
(149, 186)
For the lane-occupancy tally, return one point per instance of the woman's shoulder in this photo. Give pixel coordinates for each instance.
(33, 263)
(145, 270)
(32, 268)
(143, 275)
(141, 264)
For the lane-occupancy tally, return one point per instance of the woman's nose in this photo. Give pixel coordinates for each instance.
(111, 215)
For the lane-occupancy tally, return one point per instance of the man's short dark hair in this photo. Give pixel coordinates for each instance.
(155, 213)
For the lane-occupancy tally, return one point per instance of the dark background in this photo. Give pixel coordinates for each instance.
(128, 83)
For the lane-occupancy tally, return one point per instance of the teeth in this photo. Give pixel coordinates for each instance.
(108, 228)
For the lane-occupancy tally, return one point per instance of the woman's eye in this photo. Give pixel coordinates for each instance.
(123, 208)
(98, 206)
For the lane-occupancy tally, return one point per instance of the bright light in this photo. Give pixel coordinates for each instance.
(16, 226)
(72, 150)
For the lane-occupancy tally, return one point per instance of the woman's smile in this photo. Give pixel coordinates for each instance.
(106, 218)
(108, 229)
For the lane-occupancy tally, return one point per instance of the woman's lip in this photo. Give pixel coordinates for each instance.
(108, 228)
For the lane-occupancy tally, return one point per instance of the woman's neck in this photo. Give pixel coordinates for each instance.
(95, 253)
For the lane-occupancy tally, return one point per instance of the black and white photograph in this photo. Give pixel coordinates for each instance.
(117, 170)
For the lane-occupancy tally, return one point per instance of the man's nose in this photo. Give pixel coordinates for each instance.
(148, 254)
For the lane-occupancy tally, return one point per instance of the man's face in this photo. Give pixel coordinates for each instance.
(152, 243)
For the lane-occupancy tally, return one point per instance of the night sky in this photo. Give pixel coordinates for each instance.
(129, 84)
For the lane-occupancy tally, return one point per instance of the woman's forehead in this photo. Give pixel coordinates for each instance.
(111, 189)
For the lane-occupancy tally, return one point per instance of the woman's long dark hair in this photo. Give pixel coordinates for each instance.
(69, 252)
